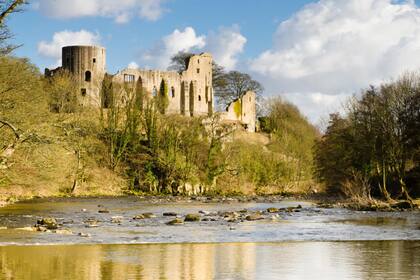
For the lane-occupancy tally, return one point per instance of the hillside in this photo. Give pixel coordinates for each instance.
(75, 150)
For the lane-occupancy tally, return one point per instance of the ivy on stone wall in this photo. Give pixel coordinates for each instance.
(237, 108)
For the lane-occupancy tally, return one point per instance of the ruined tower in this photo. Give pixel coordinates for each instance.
(87, 63)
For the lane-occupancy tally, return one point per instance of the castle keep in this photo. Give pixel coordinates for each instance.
(190, 93)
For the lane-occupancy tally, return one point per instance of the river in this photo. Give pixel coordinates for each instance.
(306, 243)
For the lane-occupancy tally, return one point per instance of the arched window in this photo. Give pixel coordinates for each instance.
(88, 76)
(173, 92)
(199, 98)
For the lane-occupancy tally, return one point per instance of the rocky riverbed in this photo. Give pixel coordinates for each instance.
(163, 220)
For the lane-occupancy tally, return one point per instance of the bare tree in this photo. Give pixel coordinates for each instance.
(228, 86)
(7, 7)
(234, 84)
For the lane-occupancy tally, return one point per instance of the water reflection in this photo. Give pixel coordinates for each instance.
(290, 260)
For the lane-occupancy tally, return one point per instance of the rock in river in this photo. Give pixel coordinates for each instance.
(63, 231)
(169, 214)
(139, 217)
(48, 223)
(192, 218)
(254, 217)
(176, 221)
(272, 210)
(149, 215)
(116, 219)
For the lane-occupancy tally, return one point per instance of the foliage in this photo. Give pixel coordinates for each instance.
(62, 88)
(377, 140)
(162, 101)
(293, 135)
(260, 167)
(56, 153)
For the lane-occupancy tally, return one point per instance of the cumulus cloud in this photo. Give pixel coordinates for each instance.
(121, 11)
(52, 49)
(316, 105)
(226, 45)
(180, 40)
(336, 47)
(133, 65)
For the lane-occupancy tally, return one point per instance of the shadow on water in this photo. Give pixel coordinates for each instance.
(289, 260)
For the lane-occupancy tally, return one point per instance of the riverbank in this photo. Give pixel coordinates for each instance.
(321, 199)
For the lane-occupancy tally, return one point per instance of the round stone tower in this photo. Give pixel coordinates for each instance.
(87, 63)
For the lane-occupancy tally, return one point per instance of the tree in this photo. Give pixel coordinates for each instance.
(228, 86)
(63, 89)
(7, 7)
(376, 141)
(179, 62)
(235, 85)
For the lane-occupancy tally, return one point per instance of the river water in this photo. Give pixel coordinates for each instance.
(308, 243)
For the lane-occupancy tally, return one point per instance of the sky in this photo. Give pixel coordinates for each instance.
(315, 54)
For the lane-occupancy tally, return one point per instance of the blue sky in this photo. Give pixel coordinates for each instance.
(257, 20)
(314, 53)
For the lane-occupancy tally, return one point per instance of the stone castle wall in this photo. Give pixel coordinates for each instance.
(243, 110)
(87, 63)
(190, 93)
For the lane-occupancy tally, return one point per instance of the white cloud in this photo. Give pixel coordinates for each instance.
(226, 45)
(336, 47)
(316, 105)
(121, 11)
(60, 39)
(133, 65)
(187, 41)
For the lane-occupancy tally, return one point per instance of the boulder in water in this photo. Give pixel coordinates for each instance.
(192, 218)
(48, 223)
(254, 217)
(176, 221)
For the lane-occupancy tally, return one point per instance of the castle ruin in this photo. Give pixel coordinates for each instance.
(190, 93)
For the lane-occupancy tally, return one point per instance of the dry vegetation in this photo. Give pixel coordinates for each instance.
(56, 153)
